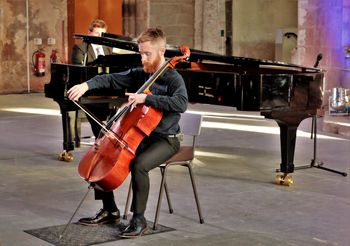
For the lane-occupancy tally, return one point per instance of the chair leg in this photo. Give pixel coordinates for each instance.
(201, 220)
(166, 192)
(161, 188)
(127, 205)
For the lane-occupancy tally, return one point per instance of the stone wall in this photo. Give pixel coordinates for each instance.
(255, 23)
(323, 27)
(345, 71)
(209, 29)
(135, 17)
(175, 18)
(45, 19)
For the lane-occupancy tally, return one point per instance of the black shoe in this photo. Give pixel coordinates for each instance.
(136, 228)
(102, 217)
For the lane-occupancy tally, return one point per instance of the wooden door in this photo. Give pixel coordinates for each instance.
(82, 12)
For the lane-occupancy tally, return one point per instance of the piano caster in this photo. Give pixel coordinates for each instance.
(284, 179)
(65, 156)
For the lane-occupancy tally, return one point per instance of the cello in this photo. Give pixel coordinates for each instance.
(107, 163)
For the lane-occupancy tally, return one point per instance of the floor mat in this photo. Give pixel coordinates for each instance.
(77, 234)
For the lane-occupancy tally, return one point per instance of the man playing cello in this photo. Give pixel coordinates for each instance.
(169, 95)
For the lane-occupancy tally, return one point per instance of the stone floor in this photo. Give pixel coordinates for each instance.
(235, 164)
(338, 124)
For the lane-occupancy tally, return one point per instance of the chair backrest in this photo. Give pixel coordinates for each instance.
(190, 124)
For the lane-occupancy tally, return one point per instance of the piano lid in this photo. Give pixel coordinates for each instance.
(128, 43)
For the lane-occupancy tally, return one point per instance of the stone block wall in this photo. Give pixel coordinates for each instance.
(135, 17)
(209, 28)
(20, 22)
(176, 18)
(256, 22)
(323, 27)
(345, 71)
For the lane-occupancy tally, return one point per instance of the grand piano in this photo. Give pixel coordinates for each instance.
(287, 93)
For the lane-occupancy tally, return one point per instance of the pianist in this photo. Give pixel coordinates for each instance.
(168, 95)
(84, 54)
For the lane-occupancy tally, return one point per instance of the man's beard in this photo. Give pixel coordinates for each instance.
(152, 67)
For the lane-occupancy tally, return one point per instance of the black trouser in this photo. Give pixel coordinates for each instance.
(152, 152)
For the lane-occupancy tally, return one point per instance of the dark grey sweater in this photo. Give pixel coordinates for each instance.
(168, 93)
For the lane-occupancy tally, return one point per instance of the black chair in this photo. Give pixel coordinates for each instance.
(190, 125)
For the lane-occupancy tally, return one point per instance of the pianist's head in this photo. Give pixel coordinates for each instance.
(97, 27)
(152, 44)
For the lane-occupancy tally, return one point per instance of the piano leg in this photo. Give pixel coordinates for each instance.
(287, 139)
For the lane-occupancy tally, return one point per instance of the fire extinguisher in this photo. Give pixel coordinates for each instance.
(53, 56)
(38, 61)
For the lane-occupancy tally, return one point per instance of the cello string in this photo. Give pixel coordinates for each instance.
(114, 136)
(119, 114)
(90, 114)
(142, 89)
(153, 78)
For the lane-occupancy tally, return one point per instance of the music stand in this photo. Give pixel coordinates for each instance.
(314, 161)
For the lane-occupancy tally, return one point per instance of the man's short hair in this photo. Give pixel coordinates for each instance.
(153, 35)
(97, 24)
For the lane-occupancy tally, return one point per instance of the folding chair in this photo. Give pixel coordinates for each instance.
(190, 125)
